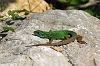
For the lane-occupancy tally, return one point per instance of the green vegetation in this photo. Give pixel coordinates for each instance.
(73, 2)
(1, 16)
(63, 1)
(6, 28)
(14, 13)
(3, 8)
(77, 2)
(92, 13)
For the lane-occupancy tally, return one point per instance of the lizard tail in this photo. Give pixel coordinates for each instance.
(40, 45)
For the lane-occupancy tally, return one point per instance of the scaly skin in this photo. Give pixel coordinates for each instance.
(54, 35)
(65, 35)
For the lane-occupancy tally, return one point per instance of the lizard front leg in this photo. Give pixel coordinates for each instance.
(50, 41)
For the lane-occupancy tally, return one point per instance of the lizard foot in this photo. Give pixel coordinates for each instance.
(82, 42)
(79, 39)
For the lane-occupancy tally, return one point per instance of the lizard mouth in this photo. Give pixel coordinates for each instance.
(38, 35)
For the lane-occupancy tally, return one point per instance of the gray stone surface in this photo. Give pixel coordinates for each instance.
(14, 53)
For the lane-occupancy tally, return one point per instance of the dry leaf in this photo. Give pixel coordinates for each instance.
(58, 49)
(37, 6)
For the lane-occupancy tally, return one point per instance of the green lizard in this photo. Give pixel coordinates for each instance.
(66, 36)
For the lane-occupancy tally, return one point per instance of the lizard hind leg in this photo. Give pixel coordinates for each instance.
(67, 37)
(79, 39)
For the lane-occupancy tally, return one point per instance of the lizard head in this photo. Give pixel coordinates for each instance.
(39, 33)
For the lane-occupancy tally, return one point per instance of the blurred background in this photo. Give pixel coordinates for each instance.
(90, 6)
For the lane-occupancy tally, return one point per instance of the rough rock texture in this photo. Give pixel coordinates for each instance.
(14, 53)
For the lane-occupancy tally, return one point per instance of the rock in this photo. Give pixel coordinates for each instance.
(13, 51)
